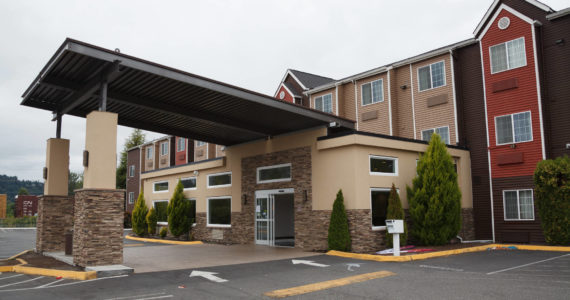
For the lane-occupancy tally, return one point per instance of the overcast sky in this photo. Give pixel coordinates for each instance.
(246, 43)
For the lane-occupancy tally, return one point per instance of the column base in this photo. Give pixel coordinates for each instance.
(55, 218)
(98, 227)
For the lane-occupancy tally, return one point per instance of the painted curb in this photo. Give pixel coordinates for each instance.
(128, 237)
(5, 269)
(77, 275)
(446, 253)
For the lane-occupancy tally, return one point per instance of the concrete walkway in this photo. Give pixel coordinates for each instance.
(176, 257)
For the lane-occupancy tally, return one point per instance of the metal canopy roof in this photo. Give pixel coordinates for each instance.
(153, 97)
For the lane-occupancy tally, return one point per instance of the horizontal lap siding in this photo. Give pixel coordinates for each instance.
(287, 96)
(402, 102)
(381, 124)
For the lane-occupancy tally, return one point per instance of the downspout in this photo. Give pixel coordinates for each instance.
(413, 104)
(336, 98)
(389, 100)
(356, 103)
(454, 95)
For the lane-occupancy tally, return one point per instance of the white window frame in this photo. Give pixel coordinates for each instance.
(321, 97)
(376, 228)
(153, 206)
(191, 177)
(164, 146)
(430, 76)
(154, 186)
(149, 152)
(200, 143)
(434, 131)
(395, 159)
(181, 141)
(507, 52)
(131, 198)
(372, 92)
(132, 171)
(193, 199)
(274, 167)
(518, 205)
(208, 212)
(219, 186)
(513, 128)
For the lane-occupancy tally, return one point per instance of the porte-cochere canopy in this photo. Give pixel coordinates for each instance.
(154, 97)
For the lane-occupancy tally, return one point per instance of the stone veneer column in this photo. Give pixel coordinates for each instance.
(55, 218)
(98, 227)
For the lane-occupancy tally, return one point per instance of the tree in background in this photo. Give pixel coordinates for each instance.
(151, 220)
(178, 212)
(339, 235)
(395, 211)
(74, 182)
(139, 216)
(136, 138)
(435, 198)
(552, 192)
(23, 191)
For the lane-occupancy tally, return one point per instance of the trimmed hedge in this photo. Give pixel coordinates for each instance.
(552, 198)
(339, 235)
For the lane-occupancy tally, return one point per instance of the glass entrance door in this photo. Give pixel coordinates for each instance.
(264, 219)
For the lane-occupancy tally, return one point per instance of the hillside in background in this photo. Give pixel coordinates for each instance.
(11, 185)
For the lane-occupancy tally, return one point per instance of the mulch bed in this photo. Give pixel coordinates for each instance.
(39, 261)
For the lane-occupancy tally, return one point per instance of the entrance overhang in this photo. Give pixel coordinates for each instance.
(154, 97)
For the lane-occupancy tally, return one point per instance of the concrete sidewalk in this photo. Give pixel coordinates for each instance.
(176, 257)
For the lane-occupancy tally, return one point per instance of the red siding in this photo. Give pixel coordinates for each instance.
(181, 156)
(520, 99)
(288, 97)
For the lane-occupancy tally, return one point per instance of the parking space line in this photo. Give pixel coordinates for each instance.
(135, 296)
(12, 276)
(64, 284)
(441, 268)
(159, 297)
(19, 282)
(48, 284)
(525, 265)
(309, 288)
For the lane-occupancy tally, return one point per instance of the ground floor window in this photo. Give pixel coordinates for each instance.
(220, 180)
(160, 208)
(518, 205)
(220, 211)
(379, 207)
(192, 210)
(160, 187)
(189, 183)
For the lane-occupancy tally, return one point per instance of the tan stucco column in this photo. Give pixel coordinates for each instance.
(101, 144)
(57, 164)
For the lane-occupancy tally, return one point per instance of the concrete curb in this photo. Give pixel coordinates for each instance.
(446, 253)
(77, 275)
(128, 237)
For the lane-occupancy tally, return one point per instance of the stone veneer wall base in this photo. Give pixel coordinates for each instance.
(55, 218)
(98, 227)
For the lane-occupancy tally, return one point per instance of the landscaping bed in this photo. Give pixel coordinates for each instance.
(39, 261)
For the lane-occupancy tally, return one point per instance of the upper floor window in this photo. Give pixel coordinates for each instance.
(372, 92)
(324, 103)
(131, 197)
(431, 76)
(274, 173)
(149, 151)
(518, 204)
(181, 144)
(200, 143)
(132, 171)
(442, 131)
(515, 128)
(381, 165)
(220, 180)
(508, 55)
(163, 148)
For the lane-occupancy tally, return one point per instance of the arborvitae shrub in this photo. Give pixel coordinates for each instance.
(163, 232)
(552, 198)
(178, 216)
(151, 220)
(395, 211)
(435, 198)
(339, 235)
(139, 216)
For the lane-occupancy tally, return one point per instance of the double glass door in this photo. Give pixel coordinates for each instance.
(265, 215)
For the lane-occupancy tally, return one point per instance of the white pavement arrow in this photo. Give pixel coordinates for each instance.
(208, 275)
(308, 262)
(352, 265)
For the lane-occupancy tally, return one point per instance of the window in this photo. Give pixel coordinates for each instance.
(160, 207)
(431, 76)
(192, 210)
(160, 187)
(381, 165)
(274, 173)
(200, 143)
(181, 144)
(163, 148)
(518, 204)
(220, 180)
(324, 103)
(220, 211)
(442, 131)
(189, 183)
(507, 56)
(515, 128)
(131, 197)
(372, 92)
(132, 171)
(149, 152)
(379, 207)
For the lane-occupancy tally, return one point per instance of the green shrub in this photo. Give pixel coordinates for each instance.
(178, 212)
(163, 232)
(395, 211)
(435, 198)
(151, 220)
(139, 216)
(339, 235)
(552, 197)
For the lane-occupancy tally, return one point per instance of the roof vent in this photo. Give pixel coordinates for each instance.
(504, 23)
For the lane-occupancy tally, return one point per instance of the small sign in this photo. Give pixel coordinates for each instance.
(258, 208)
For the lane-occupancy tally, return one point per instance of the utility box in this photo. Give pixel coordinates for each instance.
(395, 226)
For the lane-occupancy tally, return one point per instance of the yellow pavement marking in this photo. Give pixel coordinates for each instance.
(319, 286)
(5, 269)
(128, 237)
(133, 245)
(78, 275)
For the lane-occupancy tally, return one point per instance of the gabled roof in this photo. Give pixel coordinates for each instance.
(289, 87)
(308, 80)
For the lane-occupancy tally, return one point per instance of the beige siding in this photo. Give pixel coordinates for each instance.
(219, 151)
(200, 152)
(402, 102)
(329, 91)
(347, 100)
(163, 160)
(148, 162)
(381, 124)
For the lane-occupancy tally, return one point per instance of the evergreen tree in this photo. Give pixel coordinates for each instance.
(74, 182)
(339, 235)
(435, 198)
(151, 220)
(136, 138)
(395, 211)
(178, 215)
(139, 216)
(23, 191)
